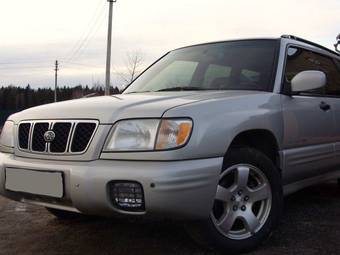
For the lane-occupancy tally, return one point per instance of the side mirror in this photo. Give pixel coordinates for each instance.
(308, 80)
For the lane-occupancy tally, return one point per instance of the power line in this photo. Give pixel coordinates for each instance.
(23, 62)
(94, 25)
(92, 29)
(94, 17)
(32, 65)
(81, 64)
(25, 66)
(86, 43)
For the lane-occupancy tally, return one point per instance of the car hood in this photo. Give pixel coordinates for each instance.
(109, 109)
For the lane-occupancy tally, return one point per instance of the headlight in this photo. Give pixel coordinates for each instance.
(7, 135)
(149, 134)
(133, 135)
(173, 133)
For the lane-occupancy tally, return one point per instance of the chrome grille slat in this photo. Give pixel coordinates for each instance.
(68, 140)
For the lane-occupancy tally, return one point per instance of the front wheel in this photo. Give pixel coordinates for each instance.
(248, 202)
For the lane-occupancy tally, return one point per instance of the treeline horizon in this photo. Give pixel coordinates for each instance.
(15, 98)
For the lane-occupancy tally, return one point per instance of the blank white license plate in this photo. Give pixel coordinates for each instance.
(35, 182)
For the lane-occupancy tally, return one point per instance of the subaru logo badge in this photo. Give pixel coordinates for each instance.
(49, 136)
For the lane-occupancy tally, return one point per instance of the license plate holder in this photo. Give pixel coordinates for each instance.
(41, 183)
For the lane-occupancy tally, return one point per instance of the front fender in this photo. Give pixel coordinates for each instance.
(217, 122)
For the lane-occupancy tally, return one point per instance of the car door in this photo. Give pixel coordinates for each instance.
(331, 67)
(308, 148)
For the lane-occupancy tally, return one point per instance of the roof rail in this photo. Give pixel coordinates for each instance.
(293, 37)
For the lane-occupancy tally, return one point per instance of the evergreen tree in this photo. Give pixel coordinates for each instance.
(14, 99)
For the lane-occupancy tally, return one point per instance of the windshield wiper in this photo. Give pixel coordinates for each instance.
(171, 89)
(181, 89)
(135, 92)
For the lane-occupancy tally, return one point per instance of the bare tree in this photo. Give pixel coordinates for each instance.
(133, 66)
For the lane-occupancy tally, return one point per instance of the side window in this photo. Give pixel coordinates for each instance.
(216, 75)
(330, 68)
(299, 60)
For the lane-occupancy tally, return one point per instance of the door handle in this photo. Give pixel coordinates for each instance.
(324, 106)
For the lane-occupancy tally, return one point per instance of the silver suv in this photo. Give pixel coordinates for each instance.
(215, 134)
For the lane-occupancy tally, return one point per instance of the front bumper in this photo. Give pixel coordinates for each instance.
(172, 189)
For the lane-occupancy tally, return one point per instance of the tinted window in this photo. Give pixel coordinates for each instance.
(328, 66)
(299, 60)
(238, 65)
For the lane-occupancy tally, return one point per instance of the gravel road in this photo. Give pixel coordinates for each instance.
(310, 225)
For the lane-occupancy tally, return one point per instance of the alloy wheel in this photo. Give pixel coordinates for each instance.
(242, 203)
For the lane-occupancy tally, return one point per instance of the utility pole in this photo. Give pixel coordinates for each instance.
(56, 80)
(109, 45)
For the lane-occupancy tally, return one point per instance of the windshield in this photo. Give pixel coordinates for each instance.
(235, 65)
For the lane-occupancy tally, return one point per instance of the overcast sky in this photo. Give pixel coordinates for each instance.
(33, 34)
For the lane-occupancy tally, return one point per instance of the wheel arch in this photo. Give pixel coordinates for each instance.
(263, 140)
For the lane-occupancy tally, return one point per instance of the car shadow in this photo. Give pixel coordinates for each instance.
(310, 225)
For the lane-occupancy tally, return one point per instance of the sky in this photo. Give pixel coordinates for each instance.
(33, 34)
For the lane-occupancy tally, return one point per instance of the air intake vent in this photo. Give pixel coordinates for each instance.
(24, 134)
(62, 133)
(82, 135)
(38, 142)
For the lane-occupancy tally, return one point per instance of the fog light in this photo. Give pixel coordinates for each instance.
(127, 196)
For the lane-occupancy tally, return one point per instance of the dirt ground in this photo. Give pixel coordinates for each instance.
(310, 225)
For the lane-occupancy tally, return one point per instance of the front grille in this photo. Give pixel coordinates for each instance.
(62, 131)
(24, 132)
(38, 142)
(82, 135)
(56, 137)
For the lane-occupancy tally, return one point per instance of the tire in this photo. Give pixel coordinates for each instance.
(65, 215)
(250, 185)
